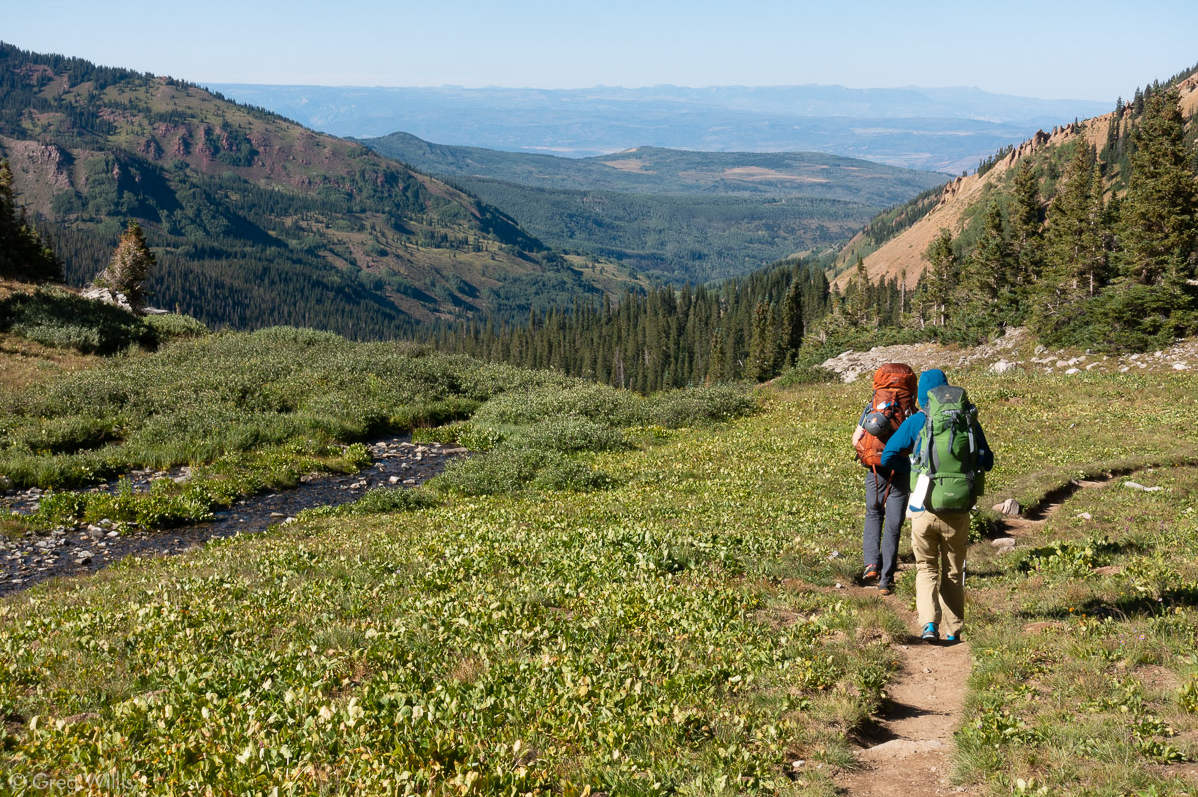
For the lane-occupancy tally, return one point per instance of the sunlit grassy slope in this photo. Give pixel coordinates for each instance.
(679, 631)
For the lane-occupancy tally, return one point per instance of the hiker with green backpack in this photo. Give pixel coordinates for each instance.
(948, 456)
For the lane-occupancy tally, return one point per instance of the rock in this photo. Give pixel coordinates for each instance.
(1138, 486)
(1040, 350)
(394, 480)
(112, 534)
(277, 514)
(1009, 507)
(1073, 371)
(1084, 516)
(84, 558)
(1180, 367)
(106, 296)
(1003, 543)
(454, 450)
(1001, 367)
(287, 521)
(409, 481)
(834, 555)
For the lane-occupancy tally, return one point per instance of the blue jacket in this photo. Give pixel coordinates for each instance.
(901, 444)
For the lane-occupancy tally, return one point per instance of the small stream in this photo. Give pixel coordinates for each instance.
(37, 556)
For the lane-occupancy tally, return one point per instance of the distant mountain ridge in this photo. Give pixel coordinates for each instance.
(256, 219)
(947, 129)
(678, 215)
(659, 170)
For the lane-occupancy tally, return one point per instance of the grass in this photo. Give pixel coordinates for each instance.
(676, 632)
(1084, 661)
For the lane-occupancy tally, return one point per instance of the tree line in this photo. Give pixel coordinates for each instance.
(745, 328)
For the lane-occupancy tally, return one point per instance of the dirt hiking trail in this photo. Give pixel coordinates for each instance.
(908, 748)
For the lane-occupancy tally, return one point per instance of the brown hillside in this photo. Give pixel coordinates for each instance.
(905, 251)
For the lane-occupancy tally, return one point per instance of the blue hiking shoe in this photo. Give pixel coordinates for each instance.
(930, 633)
(952, 639)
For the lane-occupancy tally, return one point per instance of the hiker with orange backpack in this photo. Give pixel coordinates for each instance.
(886, 488)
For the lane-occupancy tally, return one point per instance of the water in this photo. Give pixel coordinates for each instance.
(84, 549)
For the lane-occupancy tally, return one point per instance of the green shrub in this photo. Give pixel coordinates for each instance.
(568, 434)
(566, 473)
(379, 501)
(700, 405)
(172, 326)
(499, 471)
(806, 375)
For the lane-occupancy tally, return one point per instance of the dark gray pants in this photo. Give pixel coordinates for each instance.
(883, 523)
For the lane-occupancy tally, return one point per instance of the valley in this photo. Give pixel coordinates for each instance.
(444, 470)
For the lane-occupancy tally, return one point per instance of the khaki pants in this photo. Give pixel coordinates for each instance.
(939, 542)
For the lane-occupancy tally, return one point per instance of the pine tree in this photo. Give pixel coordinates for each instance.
(791, 333)
(982, 289)
(941, 276)
(861, 307)
(1026, 226)
(23, 254)
(130, 266)
(1159, 230)
(1072, 241)
(763, 345)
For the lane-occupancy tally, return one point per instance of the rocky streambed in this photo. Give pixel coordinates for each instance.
(37, 556)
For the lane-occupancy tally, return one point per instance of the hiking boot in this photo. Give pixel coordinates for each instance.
(953, 639)
(871, 573)
(930, 633)
(886, 589)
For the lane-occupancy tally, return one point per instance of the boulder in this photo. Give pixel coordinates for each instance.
(106, 296)
(1003, 543)
(1009, 507)
(1001, 367)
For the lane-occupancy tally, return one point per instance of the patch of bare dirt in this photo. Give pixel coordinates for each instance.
(908, 749)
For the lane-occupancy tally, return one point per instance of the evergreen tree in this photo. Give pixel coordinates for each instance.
(1074, 245)
(791, 333)
(1159, 230)
(130, 266)
(1026, 227)
(941, 277)
(23, 254)
(982, 289)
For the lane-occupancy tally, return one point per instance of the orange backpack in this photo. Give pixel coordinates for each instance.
(895, 385)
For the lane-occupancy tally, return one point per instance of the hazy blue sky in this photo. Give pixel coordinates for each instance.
(1080, 50)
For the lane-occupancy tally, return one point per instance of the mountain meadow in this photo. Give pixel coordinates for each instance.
(328, 470)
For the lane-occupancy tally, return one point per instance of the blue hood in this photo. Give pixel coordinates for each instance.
(932, 378)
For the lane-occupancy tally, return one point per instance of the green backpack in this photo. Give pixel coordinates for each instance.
(947, 451)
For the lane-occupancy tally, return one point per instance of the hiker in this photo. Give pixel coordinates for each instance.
(948, 455)
(886, 488)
